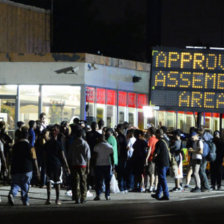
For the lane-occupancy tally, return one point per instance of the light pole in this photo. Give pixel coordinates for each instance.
(52, 25)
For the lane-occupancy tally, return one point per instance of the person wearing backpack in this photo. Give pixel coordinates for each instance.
(207, 139)
(197, 151)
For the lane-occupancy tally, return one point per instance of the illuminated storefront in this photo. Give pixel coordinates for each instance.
(65, 86)
(23, 103)
(114, 106)
(184, 120)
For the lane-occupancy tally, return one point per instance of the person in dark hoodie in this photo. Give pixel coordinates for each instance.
(216, 166)
(122, 159)
(138, 159)
(161, 158)
(92, 137)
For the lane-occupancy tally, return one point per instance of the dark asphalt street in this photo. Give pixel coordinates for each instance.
(204, 210)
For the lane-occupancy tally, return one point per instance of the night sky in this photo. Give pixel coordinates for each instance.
(129, 28)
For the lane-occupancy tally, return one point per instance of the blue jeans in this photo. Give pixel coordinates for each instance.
(103, 173)
(21, 181)
(203, 175)
(130, 175)
(122, 175)
(162, 185)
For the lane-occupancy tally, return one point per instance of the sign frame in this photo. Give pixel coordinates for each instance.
(199, 57)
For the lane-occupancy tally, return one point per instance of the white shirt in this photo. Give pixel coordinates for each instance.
(103, 151)
(130, 144)
(100, 131)
(43, 126)
(197, 155)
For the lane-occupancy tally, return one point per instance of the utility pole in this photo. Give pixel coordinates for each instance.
(52, 26)
(220, 123)
(199, 119)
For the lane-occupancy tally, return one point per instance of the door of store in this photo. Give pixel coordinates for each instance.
(8, 113)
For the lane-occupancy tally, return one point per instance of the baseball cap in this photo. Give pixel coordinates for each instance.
(194, 133)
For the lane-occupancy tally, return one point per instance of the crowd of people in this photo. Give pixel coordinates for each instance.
(82, 158)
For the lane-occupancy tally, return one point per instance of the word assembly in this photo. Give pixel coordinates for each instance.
(189, 80)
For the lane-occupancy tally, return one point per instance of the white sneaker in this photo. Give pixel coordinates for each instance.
(154, 189)
(69, 193)
(89, 194)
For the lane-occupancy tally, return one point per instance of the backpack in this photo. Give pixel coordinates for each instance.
(211, 157)
(206, 149)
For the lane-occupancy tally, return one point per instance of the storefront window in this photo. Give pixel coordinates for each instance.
(111, 102)
(8, 89)
(29, 96)
(61, 103)
(7, 114)
(90, 104)
(161, 118)
(122, 107)
(132, 109)
(100, 104)
(141, 101)
(215, 121)
(207, 120)
(171, 120)
(104, 103)
(181, 121)
(211, 121)
(190, 122)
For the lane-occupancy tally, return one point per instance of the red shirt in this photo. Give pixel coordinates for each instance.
(152, 144)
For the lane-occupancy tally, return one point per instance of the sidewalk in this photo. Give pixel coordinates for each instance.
(38, 196)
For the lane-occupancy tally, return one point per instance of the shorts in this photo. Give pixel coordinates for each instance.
(151, 168)
(196, 162)
(54, 175)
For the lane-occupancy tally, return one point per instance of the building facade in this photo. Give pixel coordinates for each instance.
(24, 28)
(65, 86)
(90, 87)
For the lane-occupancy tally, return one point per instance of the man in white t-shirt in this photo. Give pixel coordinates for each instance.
(104, 162)
(130, 173)
(43, 123)
(197, 151)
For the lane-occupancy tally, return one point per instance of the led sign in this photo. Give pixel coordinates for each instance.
(188, 80)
